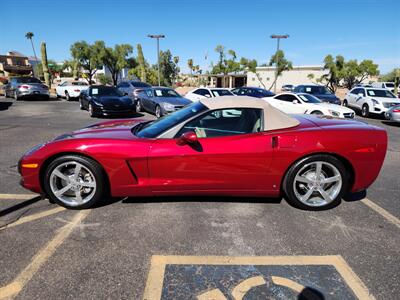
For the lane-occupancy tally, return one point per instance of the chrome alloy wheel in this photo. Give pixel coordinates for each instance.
(72, 183)
(317, 183)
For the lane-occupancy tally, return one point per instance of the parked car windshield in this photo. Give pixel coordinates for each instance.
(317, 90)
(218, 93)
(154, 129)
(380, 93)
(140, 84)
(166, 93)
(309, 98)
(105, 91)
(79, 83)
(28, 80)
(265, 93)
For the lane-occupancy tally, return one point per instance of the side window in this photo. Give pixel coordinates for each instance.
(198, 92)
(300, 89)
(362, 91)
(285, 97)
(225, 122)
(243, 92)
(149, 93)
(355, 91)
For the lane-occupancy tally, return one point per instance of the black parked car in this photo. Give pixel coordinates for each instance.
(253, 92)
(319, 91)
(101, 100)
(26, 87)
(160, 101)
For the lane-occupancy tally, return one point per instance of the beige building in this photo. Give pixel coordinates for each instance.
(298, 75)
(14, 63)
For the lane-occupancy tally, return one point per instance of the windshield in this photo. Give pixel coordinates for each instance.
(28, 80)
(380, 93)
(309, 98)
(168, 93)
(154, 129)
(265, 93)
(218, 93)
(105, 91)
(317, 90)
(140, 84)
(79, 83)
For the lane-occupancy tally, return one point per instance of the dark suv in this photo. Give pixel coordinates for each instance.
(319, 91)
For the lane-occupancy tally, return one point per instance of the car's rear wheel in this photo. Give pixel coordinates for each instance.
(81, 105)
(74, 181)
(365, 111)
(158, 111)
(316, 183)
(139, 106)
(345, 103)
(16, 95)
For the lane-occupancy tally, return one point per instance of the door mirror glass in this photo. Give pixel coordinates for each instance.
(295, 101)
(360, 95)
(207, 95)
(188, 138)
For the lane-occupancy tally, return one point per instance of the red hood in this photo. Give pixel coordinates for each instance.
(115, 129)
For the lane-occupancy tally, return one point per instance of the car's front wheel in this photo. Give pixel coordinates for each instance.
(365, 111)
(158, 111)
(345, 103)
(138, 106)
(67, 97)
(16, 95)
(91, 110)
(317, 113)
(74, 181)
(316, 183)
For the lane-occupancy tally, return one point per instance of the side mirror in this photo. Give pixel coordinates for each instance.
(207, 96)
(360, 95)
(187, 138)
(295, 101)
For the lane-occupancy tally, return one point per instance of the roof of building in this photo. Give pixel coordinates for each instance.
(273, 118)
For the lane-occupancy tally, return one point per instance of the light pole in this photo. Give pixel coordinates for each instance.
(158, 37)
(278, 37)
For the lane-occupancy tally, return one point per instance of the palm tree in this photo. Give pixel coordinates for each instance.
(29, 35)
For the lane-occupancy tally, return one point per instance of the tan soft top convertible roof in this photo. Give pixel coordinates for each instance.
(273, 118)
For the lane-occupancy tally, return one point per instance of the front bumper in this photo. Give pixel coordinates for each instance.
(110, 111)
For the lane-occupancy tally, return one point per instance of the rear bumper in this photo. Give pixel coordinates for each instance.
(33, 93)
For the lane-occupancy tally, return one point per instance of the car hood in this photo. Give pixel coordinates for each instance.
(107, 100)
(116, 129)
(335, 107)
(386, 100)
(173, 101)
(328, 98)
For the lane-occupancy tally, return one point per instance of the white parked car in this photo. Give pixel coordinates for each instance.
(370, 100)
(203, 93)
(70, 90)
(384, 85)
(303, 103)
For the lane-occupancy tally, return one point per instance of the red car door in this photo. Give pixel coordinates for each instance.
(233, 163)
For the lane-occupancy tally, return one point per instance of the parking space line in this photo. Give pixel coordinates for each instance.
(18, 196)
(383, 212)
(14, 288)
(34, 217)
(154, 284)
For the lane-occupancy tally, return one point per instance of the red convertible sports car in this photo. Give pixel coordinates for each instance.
(232, 146)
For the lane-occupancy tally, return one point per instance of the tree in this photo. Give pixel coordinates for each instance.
(220, 67)
(168, 67)
(392, 76)
(72, 66)
(88, 56)
(104, 79)
(190, 65)
(251, 65)
(142, 63)
(115, 59)
(29, 35)
(283, 64)
(335, 68)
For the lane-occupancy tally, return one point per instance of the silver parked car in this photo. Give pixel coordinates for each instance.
(25, 87)
(132, 88)
(393, 114)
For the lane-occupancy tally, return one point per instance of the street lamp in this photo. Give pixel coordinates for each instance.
(158, 37)
(278, 37)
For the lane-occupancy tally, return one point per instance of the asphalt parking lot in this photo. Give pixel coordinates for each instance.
(189, 248)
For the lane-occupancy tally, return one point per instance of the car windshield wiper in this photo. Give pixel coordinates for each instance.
(140, 126)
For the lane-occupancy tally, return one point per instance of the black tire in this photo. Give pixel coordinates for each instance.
(158, 111)
(365, 111)
(58, 96)
(345, 103)
(316, 113)
(81, 105)
(16, 96)
(96, 169)
(289, 182)
(139, 107)
(67, 97)
(92, 114)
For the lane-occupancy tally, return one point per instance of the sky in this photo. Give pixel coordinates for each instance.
(356, 29)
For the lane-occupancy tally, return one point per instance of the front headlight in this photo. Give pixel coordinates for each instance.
(375, 102)
(168, 106)
(97, 103)
(334, 113)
